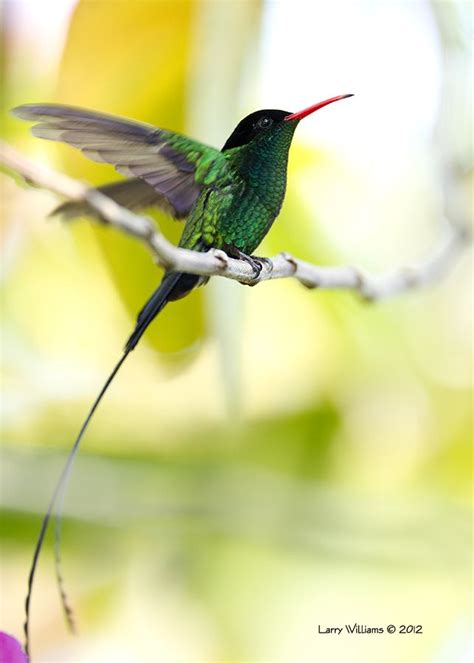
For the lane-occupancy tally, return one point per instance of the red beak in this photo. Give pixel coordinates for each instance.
(307, 111)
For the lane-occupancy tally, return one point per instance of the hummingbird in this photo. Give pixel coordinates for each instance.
(228, 198)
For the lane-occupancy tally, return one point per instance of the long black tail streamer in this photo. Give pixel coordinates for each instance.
(57, 499)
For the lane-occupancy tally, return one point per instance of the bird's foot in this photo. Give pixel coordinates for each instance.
(254, 261)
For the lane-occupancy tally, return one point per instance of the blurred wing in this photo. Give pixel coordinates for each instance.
(166, 161)
(134, 194)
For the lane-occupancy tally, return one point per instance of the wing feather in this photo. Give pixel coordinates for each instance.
(134, 194)
(166, 161)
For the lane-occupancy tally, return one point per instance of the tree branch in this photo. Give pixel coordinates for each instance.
(216, 263)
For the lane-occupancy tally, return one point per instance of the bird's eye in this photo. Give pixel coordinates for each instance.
(264, 122)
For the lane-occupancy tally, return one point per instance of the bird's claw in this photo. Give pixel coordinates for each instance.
(257, 267)
(258, 264)
(255, 262)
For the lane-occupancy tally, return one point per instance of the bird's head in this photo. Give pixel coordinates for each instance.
(263, 124)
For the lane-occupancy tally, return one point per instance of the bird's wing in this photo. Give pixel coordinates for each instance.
(134, 194)
(175, 166)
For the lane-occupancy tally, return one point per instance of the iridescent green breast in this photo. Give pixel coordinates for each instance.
(240, 205)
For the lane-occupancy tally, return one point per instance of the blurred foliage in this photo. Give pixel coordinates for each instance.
(311, 463)
(144, 55)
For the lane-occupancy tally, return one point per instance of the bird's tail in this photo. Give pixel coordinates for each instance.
(56, 501)
(154, 305)
(173, 286)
